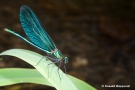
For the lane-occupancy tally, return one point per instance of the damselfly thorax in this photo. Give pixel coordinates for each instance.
(57, 55)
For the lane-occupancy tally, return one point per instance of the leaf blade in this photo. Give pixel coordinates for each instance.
(33, 58)
(32, 74)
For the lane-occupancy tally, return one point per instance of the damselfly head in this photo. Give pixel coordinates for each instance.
(65, 60)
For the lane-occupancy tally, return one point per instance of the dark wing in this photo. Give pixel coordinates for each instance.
(34, 29)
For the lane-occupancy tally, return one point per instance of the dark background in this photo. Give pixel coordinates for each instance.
(96, 35)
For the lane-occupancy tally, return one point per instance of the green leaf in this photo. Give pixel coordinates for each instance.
(33, 76)
(19, 75)
(9, 76)
(33, 58)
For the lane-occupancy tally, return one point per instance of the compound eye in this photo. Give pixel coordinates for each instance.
(65, 60)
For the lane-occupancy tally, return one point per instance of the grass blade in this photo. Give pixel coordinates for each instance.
(33, 58)
(19, 75)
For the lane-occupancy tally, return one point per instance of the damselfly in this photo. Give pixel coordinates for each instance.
(38, 36)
